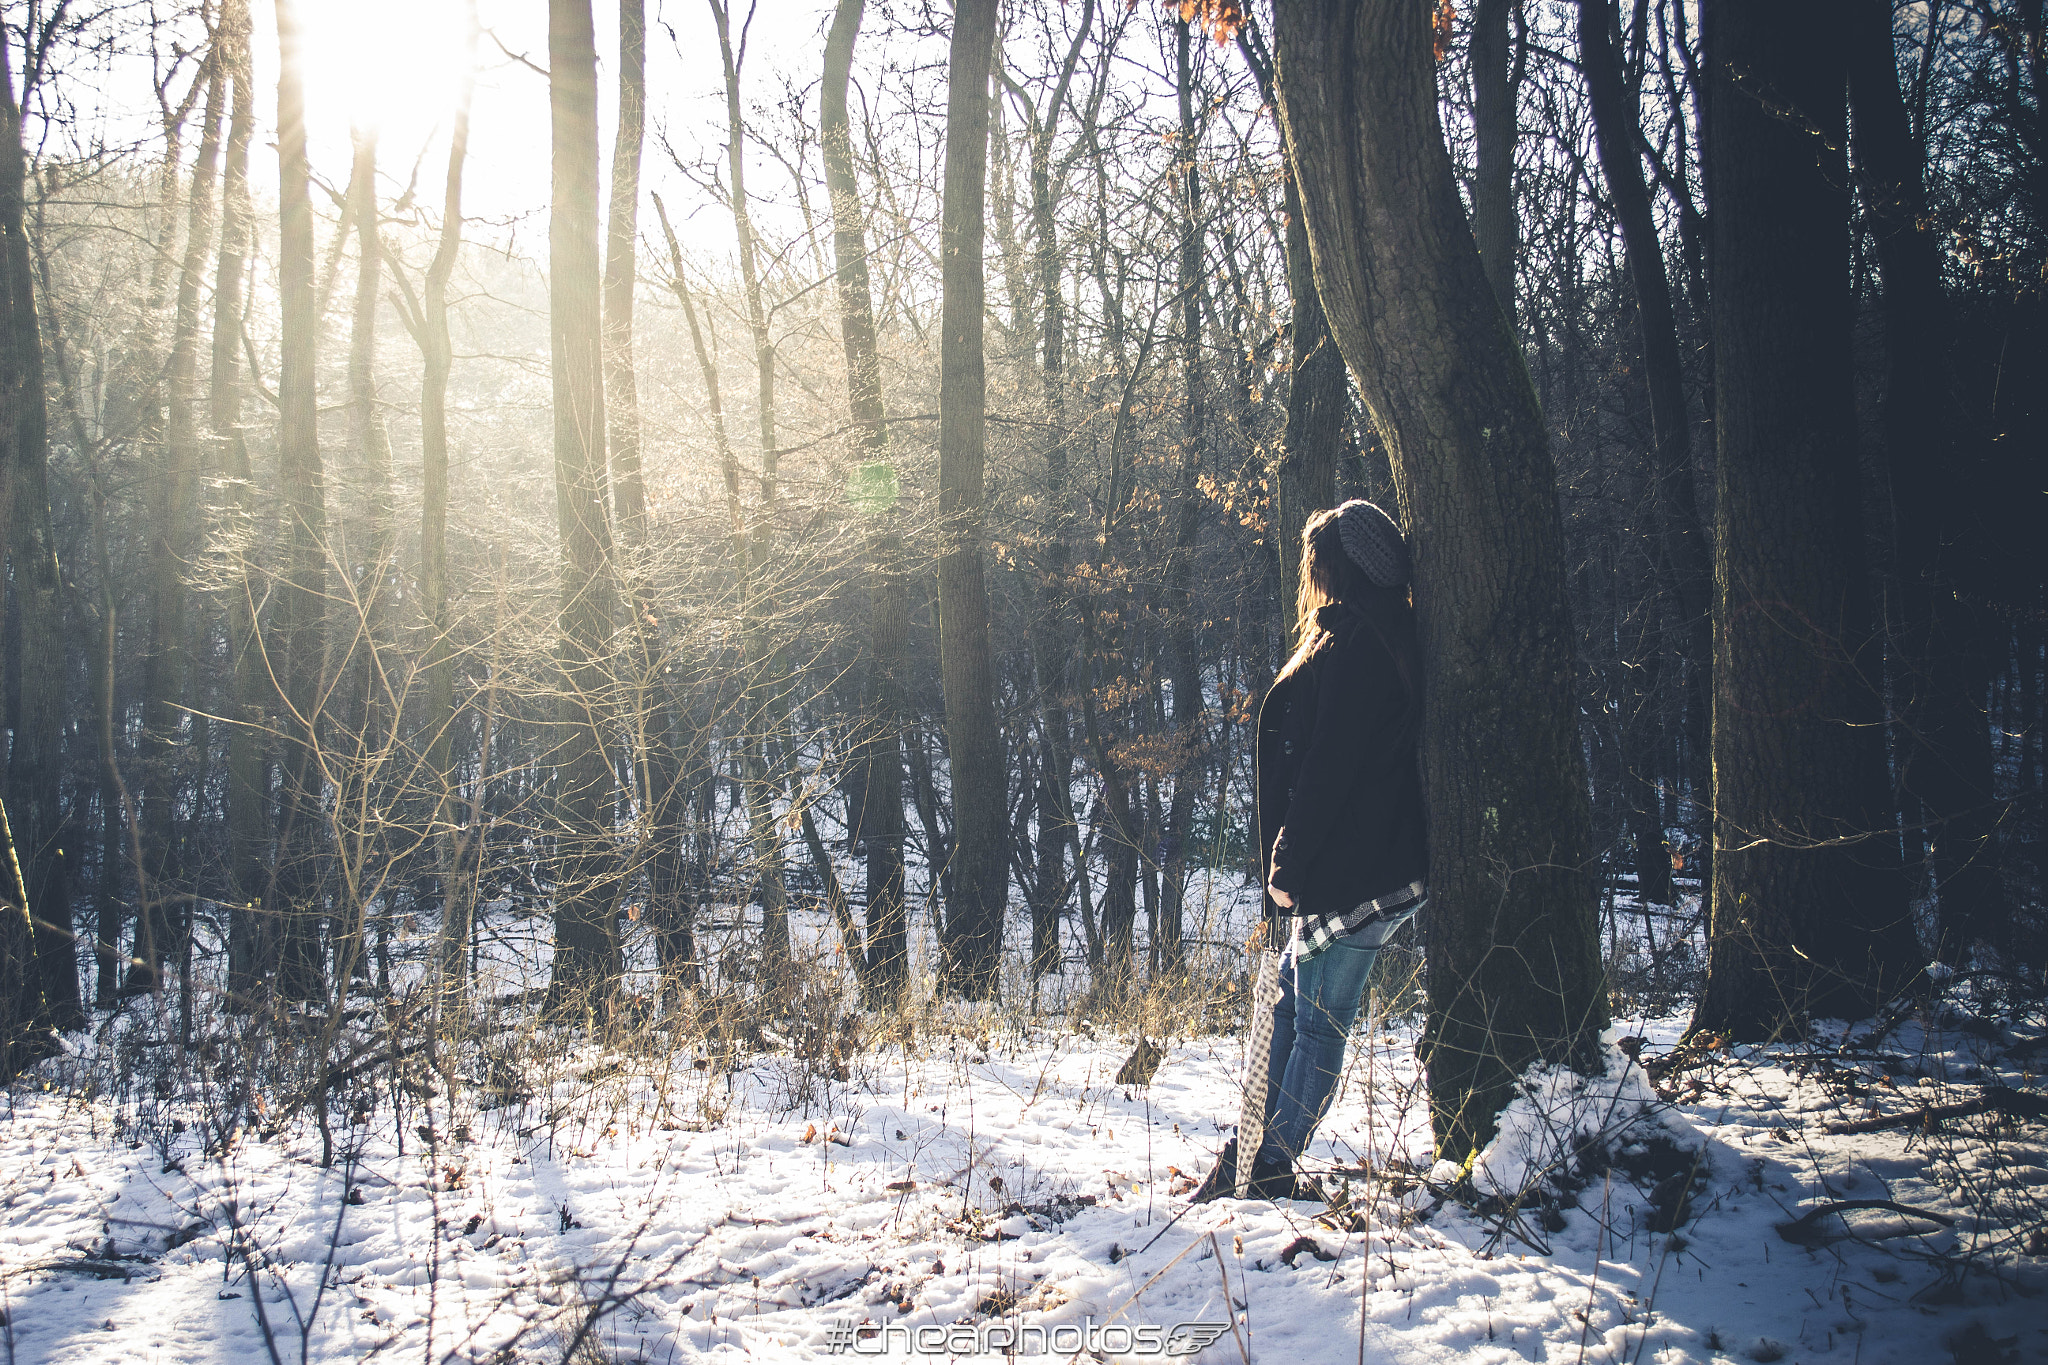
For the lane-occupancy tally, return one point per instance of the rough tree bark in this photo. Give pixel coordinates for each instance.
(1809, 909)
(974, 920)
(1514, 962)
(587, 962)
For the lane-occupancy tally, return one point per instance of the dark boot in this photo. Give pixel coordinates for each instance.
(1221, 1182)
(1272, 1180)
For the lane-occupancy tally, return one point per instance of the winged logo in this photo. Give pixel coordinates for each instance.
(1189, 1338)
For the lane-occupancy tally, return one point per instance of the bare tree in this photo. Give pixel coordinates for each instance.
(587, 962)
(877, 822)
(38, 959)
(1809, 908)
(974, 920)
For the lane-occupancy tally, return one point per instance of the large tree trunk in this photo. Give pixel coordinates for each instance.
(974, 922)
(587, 962)
(878, 824)
(1809, 908)
(1514, 960)
(38, 965)
(302, 599)
(1941, 672)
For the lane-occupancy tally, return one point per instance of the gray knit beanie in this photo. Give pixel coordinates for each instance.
(1374, 543)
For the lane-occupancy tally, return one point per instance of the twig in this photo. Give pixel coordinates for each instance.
(2012, 1103)
(1229, 1308)
(1802, 1231)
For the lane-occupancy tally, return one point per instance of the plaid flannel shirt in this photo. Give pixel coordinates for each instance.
(1378, 918)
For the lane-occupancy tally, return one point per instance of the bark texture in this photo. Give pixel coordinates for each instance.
(1514, 964)
(1809, 908)
(974, 920)
(587, 963)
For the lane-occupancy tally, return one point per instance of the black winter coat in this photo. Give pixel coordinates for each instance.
(1340, 798)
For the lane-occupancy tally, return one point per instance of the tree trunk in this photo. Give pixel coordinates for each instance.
(1318, 394)
(657, 765)
(622, 231)
(370, 634)
(587, 962)
(166, 910)
(679, 954)
(1493, 128)
(1051, 630)
(1809, 908)
(1638, 618)
(248, 796)
(1944, 733)
(1682, 546)
(1317, 401)
(1514, 960)
(760, 739)
(457, 843)
(38, 955)
(879, 822)
(974, 922)
(1185, 660)
(302, 600)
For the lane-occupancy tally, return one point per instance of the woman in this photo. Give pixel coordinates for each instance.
(1340, 829)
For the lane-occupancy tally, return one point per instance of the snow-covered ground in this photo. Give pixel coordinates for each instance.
(987, 1169)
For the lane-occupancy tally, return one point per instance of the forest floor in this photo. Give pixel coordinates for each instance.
(977, 1172)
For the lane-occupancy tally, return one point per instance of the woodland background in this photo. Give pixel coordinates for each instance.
(879, 493)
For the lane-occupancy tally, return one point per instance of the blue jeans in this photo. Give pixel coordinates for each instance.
(1318, 1001)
